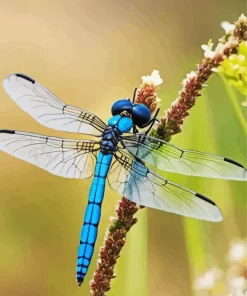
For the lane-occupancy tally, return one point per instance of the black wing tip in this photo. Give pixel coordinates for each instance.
(205, 198)
(233, 162)
(7, 131)
(25, 77)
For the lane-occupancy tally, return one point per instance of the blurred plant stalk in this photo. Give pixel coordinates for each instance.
(169, 125)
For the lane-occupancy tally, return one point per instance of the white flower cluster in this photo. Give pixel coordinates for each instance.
(236, 256)
(228, 27)
(237, 285)
(153, 79)
(236, 281)
(242, 18)
(232, 42)
(208, 279)
(237, 252)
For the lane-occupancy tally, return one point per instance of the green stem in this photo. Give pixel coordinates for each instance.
(236, 105)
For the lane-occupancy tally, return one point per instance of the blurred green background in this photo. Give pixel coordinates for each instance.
(91, 53)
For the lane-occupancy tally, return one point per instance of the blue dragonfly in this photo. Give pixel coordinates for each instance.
(118, 154)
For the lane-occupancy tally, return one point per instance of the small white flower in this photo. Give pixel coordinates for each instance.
(106, 234)
(190, 75)
(237, 252)
(232, 41)
(219, 50)
(208, 52)
(208, 279)
(99, 260)
(242, 18)
(237, 283)
(112, 218)
(154, 78)
(228, 27)
(208, 46)
(215, 70)
(175, 102)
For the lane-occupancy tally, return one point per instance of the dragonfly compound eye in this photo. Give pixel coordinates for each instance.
(120, 106)
(141, 114)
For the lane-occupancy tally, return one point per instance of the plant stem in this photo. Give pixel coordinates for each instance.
(169, 125)
(236, 106)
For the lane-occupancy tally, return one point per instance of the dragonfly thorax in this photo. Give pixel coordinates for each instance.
(112, 134)
(110, 138)
(123, 123)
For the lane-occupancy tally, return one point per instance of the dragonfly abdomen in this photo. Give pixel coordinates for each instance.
(92, 215)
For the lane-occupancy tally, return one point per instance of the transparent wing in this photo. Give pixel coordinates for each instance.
(61, 157)
(136, 182)
(170, 158)
(47, 109)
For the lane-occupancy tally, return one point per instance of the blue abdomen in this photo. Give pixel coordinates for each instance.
(92, 216)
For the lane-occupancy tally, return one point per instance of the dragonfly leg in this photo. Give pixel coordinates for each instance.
(135, 130)
(134, 96)
(151, 122)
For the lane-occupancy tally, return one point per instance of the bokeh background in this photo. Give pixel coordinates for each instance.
(91, 53)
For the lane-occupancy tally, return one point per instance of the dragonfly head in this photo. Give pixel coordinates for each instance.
(139, 113)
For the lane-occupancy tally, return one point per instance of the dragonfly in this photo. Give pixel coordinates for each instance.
(117, 155)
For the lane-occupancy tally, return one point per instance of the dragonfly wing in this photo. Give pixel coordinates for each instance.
(47, 109)
(170, 158)
(136, 182)
(61, 157)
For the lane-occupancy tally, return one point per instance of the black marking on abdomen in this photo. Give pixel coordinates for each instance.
(82, 265)
(233, 162)
(95, 203)
(205, 198)
(87, 243)
(25, 77)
